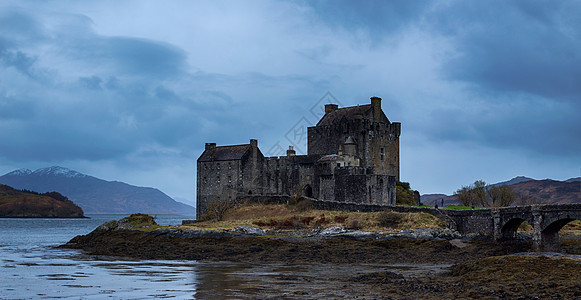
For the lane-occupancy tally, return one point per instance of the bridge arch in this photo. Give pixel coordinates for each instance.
(550, 233)
(510, 228)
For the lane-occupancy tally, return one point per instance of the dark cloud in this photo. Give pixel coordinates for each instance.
(377, 18)
(515, 46)
(532, 127)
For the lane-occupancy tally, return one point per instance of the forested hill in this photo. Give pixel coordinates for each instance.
(27, 204)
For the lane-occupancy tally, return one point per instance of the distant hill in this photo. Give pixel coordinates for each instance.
(21, 204)
(549, 191)
(528, 190)
(94, 195)
(515, 180)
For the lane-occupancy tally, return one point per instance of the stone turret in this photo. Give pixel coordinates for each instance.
(350, 146)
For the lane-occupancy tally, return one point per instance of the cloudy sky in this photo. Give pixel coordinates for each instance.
(131, 90)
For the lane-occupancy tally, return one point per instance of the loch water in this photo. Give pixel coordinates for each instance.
(31, 268)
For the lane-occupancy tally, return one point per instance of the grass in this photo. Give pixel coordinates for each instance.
(282, 216)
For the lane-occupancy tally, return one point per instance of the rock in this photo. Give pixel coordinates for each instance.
(245, 229)
(108, 226)
(458, 243)
(333, 230)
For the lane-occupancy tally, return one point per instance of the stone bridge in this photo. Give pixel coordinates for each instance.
(502, 223)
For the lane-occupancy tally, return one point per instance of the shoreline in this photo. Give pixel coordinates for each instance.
(475, 267)
(470, 266)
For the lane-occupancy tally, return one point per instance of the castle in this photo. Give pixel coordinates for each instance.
(352, 157)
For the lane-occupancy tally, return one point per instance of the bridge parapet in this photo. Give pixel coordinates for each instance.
(503, 223)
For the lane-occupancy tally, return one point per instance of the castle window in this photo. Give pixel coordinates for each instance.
(218, 178)
(338, 165)
(205, 167)
(218, 166)
(382, 153)
(230, 179)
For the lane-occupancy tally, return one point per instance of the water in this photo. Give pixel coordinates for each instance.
(31, 268)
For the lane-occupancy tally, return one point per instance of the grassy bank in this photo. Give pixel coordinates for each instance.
(301, 216)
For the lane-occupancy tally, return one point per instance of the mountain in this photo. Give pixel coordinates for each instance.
(22, 204)
(548, 191)
(94, 195)
(528, 191)
(515, 180)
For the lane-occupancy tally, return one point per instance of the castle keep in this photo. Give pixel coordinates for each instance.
(352, 157)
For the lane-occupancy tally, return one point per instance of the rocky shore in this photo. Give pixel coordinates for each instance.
(478, 268)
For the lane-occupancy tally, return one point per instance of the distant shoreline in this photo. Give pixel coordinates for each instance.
(42, 217)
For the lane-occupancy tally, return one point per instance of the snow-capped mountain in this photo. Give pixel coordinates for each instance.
(56, 171)
(94, 195)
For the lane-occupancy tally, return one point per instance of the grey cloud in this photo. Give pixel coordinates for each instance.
(523, 47)
(533, 127)
(92, 82)
(378, 18)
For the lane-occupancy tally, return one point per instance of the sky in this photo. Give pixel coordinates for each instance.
(131, 90)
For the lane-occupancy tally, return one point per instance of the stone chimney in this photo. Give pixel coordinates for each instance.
(211, 148)
(376, 106)
(253, 143)
(330, 107)
(291, 151)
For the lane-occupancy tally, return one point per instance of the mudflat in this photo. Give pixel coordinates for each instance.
(476, 268)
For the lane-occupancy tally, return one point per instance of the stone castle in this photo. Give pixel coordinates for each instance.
(352, 157)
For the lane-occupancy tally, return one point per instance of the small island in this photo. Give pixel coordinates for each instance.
(28, 204)
(299, 234)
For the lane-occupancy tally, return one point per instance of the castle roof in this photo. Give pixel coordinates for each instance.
(349, 113)
(234, 152)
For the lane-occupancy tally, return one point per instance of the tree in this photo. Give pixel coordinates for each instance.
(403, 194)
(500, 195)
(480, 194)
(464, 194)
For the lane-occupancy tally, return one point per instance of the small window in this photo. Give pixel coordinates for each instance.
(230, 179)
(338, 165)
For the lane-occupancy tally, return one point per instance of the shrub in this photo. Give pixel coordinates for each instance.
(388, 219)
(340, 219)
(322, 220)
(354, 224)
(303, 205)
(307, 220)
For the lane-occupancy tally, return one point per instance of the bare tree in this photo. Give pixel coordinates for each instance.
(500, 195)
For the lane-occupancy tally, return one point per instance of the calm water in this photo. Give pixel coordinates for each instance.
(31, 268)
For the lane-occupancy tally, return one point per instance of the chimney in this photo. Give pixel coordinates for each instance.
(253, 144)
(376, 106)
(330, 107)
(211, 148)
(291, 151)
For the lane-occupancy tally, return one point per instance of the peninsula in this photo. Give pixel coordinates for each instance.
(27, 204)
